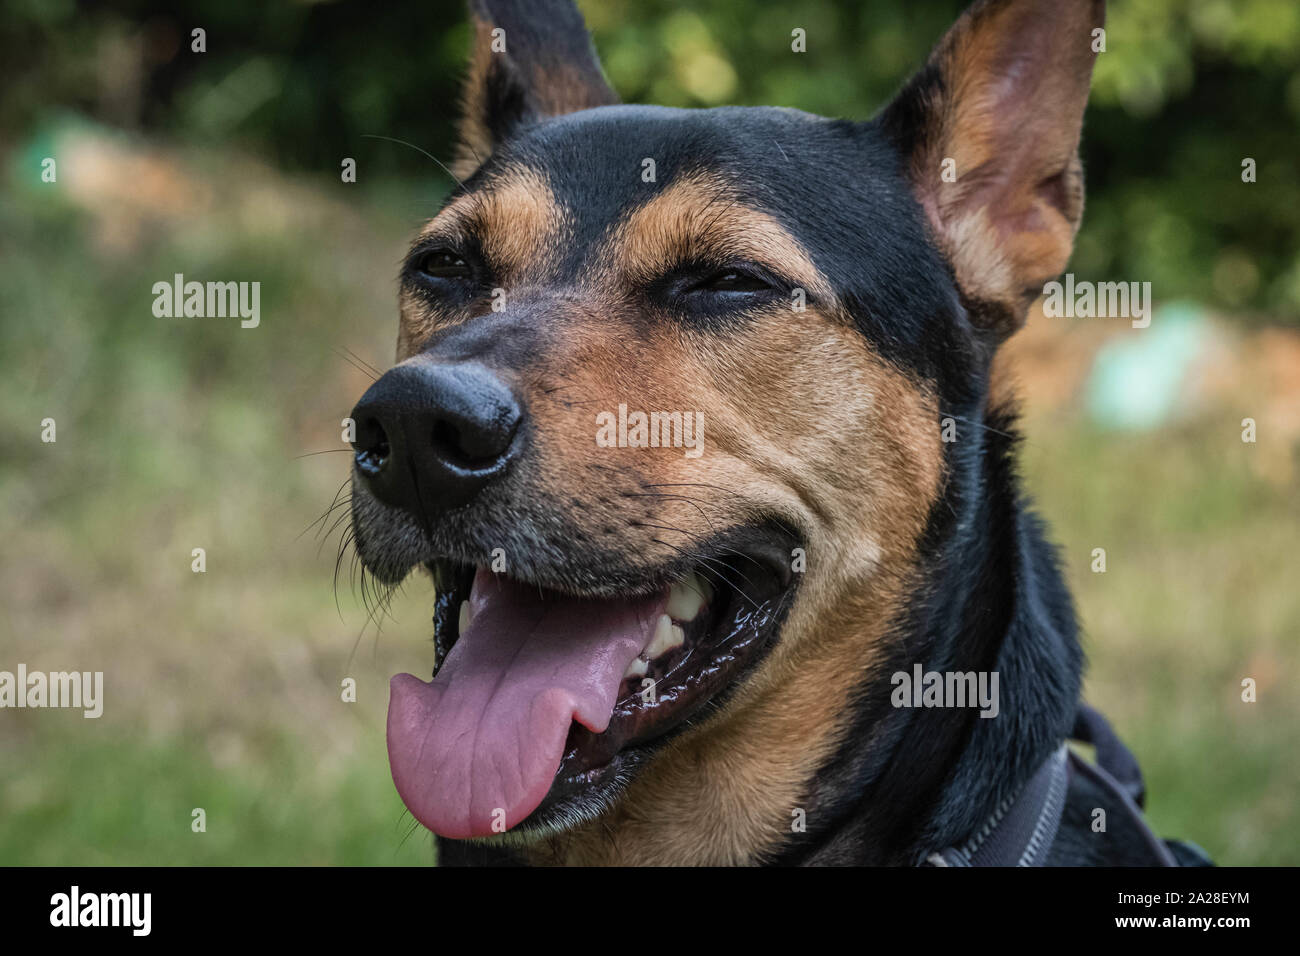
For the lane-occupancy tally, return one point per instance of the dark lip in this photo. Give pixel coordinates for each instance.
(728, 643)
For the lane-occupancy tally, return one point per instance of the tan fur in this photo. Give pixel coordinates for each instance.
(1007, 223)
(563, 88)
(860, 467)
(697, 215)
(518, 224)
(1003, 386)
(475, 144)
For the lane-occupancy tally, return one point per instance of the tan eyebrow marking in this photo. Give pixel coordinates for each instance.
(516, 220)
(700, 215)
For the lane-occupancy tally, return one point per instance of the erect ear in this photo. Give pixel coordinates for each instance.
(531, 59)
(990, 128)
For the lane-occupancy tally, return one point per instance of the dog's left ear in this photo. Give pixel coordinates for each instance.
(990, 128)
(531, 59)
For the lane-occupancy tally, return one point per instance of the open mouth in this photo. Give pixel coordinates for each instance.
(543, 704)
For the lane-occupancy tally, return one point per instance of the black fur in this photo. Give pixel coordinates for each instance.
(906, 781)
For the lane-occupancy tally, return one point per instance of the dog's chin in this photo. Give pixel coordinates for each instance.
(708, 621)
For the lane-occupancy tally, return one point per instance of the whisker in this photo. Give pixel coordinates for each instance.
(987, 428)
(706, 562)
(362, 361)
(403, 142)
(658, 494)
(333, 504)
(356, 363)
(326, 451)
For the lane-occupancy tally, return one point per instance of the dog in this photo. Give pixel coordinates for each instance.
(700, 427)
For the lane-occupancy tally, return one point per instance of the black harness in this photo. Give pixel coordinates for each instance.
(1022, 829)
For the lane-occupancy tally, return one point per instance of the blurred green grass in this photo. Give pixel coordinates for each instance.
(1199, 592)
(120, 801)
(223, 688)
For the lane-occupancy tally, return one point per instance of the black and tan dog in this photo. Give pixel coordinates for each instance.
(667, 428)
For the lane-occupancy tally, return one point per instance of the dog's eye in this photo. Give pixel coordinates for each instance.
(709, 290)
(444, 264)
(732, 280)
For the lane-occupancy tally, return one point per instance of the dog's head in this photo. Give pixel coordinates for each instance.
(666, 421)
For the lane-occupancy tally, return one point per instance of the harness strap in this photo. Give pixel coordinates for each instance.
(1102, 778)
(1113, 757)
(1023, 827)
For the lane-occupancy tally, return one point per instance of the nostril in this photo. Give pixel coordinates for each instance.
(372, 446)
(447, 445)
(471, 446)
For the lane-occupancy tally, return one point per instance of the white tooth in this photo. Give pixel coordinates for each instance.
(637, 668)
(465, 616)
(667, 636)
(687, 597)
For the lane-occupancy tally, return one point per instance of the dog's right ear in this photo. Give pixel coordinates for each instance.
(532, 59)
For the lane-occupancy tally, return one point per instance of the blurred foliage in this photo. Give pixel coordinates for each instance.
(1185, 91)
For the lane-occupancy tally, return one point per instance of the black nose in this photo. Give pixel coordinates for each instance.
(431, 436)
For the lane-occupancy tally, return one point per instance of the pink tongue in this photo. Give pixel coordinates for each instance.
(476, 750)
